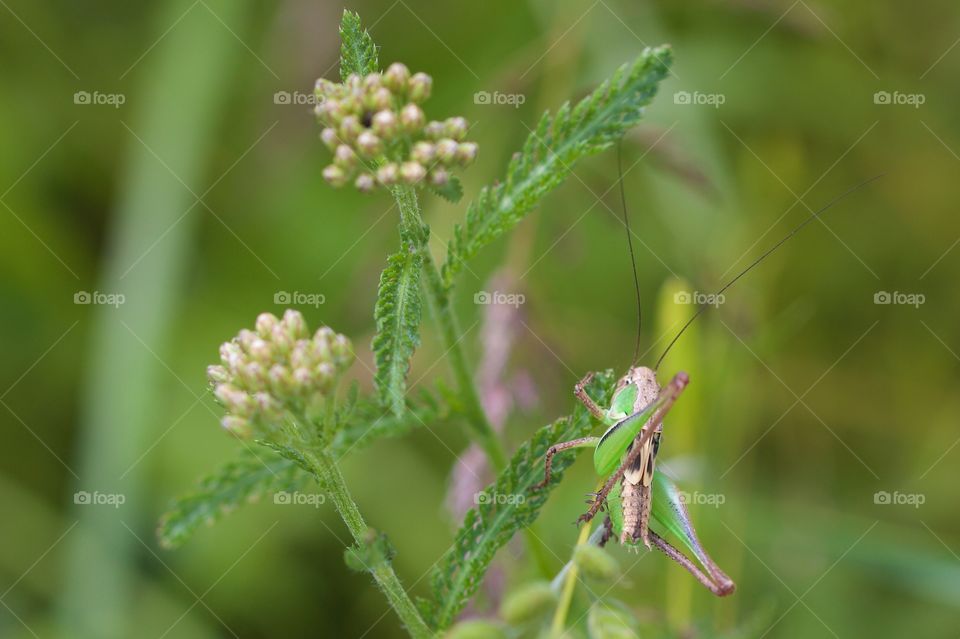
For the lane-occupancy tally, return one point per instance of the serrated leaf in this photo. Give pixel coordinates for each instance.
(550, 152)
(509, 505)
(375, 550)
(358, 53)
(397, 315)
(452, 191)
(232, 485)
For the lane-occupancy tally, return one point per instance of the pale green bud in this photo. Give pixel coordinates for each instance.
(300, 354)
(302, 380)
(329, 138)
(334, 175)
(345, 158)
(324, 88)
(342, 350)
(231, 355)
(423, 152)
(412, 172)
(281, 339)
(379, 100)
(237, 426)
(333, 112)
(528, 602)
(364, 183)
(411, 118)
(384, 124)
(455, 128)
(350, 128)
(373, 81)
(281, 382)
(466, 153)
(595, 562)
(265, 323)
(252, 375)
(388, 174)
(439, 177)
(419, 87)
(295, 324)
(245, 339)
(217, 374)
(447, 151)
(396, 77)
(434, 130)
(353, 82)
(369, 144)
(261, 351)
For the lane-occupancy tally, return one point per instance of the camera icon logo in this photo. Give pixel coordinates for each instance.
(481, 97)
(82, 297)
(882, 97)
(481, 498)
(682, 297)
(281, 97)
(682, 97)
(482, 297)
(81, 497)
(282, 497)
(881, 497)
(81, 97)
(281, 297)
(882, 297)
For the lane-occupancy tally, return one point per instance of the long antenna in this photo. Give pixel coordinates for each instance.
(633, 258)
(813, 216)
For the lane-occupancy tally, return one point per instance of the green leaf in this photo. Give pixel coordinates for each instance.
(397, 314)
(234, 484)
(452, 191)
(358, 53)
(511, 505)
(376, 549)
(549, 154)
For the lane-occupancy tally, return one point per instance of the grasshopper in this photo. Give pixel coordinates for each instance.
(626, 452)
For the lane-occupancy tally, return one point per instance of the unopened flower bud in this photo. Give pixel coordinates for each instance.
(368, 144)
(446, 151)
(412, 172)
(301, 380)
(329, 137)
(388, 174)
(595, 562)
(466, 153)
(528, 602)
(353, 82)
(237, 426)
(245, 339)
(350, 128)
(364, 183)
(379, 99)
(299, 355)
(334, 175)
(261, 351)
(295, 324)
(372, 81)
(231, 355)
(433, 130)
(396, 77)
(342, 351)
(351, 104)
(419, 87)
(217, 374)
(345, 158)
(324, 88)
(423, 152)
(280, 380)
(439, 177)
(455, 128)
(333, 112)
(265, 323)
(252, 375)
(384, 124)
(281, 339)
(411, 118)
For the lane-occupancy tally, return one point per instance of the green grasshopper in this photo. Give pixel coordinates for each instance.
(626, 452)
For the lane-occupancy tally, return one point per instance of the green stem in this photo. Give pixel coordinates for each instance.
(569, 583)
(413, 231)
(331, 480)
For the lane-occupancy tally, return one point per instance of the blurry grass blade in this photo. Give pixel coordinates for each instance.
(506, 506)
(550, 152)
(358, 53)
(234, 484)
(397, 314)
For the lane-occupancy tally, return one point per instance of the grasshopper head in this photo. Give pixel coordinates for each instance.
(638, 387)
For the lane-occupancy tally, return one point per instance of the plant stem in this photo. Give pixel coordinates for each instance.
(328, 474)
(413, 230)
(566, 596)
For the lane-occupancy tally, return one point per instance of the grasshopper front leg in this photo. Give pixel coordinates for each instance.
(671, 393)
(580, 391)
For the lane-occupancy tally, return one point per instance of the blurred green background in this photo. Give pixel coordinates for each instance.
(163, 152)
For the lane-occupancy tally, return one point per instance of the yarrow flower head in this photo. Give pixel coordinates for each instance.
(275, 369)
(378, 133)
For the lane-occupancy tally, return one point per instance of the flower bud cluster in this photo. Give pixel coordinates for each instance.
(277, 367)
(378, 132)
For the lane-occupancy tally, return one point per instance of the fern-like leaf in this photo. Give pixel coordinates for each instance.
(550, 152)
(512, 505)
(358, 53)
(236, 483)
(397, 314)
